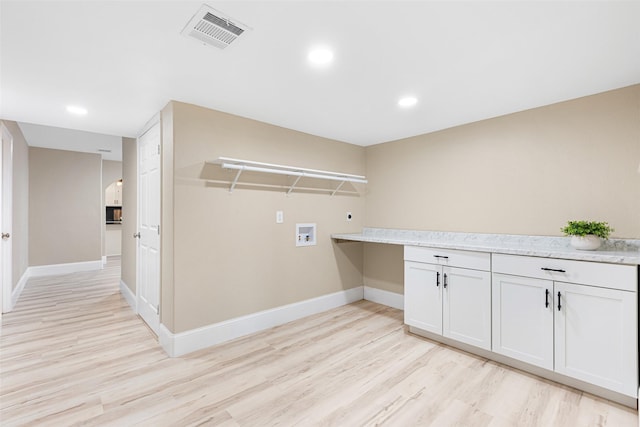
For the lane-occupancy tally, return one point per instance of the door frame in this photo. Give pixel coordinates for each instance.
(6, 220)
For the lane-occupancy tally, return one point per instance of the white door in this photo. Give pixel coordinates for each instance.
(423, 296)
(522, 319)
(148, 289)
(596, 339)
(6, 176)
(466, 307)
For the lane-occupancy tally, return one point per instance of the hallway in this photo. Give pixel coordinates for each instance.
(70, 339)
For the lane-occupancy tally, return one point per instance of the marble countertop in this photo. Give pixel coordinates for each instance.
(616, 251)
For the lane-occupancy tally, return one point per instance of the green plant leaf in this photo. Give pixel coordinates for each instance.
(582, 228)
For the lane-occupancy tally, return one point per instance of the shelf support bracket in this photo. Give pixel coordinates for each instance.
(338, 188)
(235, 180)
(294, 184)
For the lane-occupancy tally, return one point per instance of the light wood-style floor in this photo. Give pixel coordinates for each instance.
(73, 353)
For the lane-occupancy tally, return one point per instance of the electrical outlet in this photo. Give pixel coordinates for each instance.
(279, 217)
(349, 216)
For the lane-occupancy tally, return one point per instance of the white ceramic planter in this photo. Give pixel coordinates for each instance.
(586, 243)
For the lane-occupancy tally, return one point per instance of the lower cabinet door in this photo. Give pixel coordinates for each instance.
(467, 306)
(522, 319)
(423, 296)
(596, 336)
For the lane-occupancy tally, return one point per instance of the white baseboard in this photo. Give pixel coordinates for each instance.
(129, 296)
(167, 341)
(72, 267)
(186, 342)
(17, 291)
(390, 299)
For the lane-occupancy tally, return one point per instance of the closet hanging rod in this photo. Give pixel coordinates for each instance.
(293, 172)
(282, 167)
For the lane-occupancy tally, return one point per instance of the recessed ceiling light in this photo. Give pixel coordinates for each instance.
(320, 56)
(74, 109)
(408, 101)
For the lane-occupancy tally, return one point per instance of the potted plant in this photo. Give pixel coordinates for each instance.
(587, 235)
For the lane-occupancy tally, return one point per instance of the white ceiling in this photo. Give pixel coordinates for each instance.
(465, 61)
(109, 146)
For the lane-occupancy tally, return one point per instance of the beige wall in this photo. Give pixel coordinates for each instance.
(383, 267)
(129, 211)
(230, 258)
(20, 203)
(524, 173)
(111, 171)
(65, 204)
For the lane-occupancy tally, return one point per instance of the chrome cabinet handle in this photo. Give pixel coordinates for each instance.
(136, 235)
(5, 236)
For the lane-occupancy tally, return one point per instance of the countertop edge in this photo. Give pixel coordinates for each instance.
(629, 258)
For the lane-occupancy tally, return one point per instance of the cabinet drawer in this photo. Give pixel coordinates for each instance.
(449, 257)
(614, 276)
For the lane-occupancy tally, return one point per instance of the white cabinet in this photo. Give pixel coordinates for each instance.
(523, 319)
(596, 336)
(423, 296)
(586, 330)
(113, 194)
(467, 306)
(448, 292)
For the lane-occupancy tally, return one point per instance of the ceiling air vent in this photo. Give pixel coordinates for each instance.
(213, 27)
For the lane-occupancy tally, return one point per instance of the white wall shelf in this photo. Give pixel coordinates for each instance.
(294, 171)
